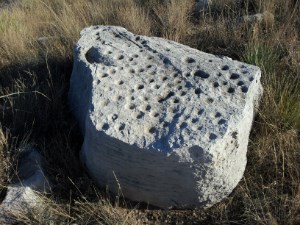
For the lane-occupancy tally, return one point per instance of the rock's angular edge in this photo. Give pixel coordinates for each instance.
(166, 123)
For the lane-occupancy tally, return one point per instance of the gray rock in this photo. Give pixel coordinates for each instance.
(163, 123)
(22, 197)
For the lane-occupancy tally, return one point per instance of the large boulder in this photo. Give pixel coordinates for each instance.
(163, 123)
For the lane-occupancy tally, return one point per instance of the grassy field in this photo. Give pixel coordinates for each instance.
(36, 43)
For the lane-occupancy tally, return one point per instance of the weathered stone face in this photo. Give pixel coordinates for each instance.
(166, 123)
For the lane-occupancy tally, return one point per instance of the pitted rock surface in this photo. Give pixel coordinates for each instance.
(165, 123)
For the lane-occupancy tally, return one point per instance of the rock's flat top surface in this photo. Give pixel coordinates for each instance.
(169, 122)
(154, 95)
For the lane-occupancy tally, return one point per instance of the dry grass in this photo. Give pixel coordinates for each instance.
(36, 41)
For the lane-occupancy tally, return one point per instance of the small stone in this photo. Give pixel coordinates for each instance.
(146, 145)
(21, 197)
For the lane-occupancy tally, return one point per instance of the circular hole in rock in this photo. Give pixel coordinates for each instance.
(149, 66)
(183, 93)
(234, 76)
(183, 125)
(140, 87)
(225, 67)
(195, 120)
(140, 115)
(216, 84)
(165, 78)
(221, 121)
(231, 90)
(131, 106)
(112, 71)
(137, 38)
(240, 83)
(198, 91)
(150, 57)
(148, 107)
(105, 126)
(200, 112)
(202, 74)
(104, 75)
(210, 100)
(120, 57)
(122, 127)
(130, 59)
(189, 60)
(218, 115)
(121, 82)
(155, 114)
(244, 89)
(175, 75)
(93, 55)
(152, 130)
(135, 56)
(132, 71)
(144, 42)
(210, 60)
(157, 86)
(176, 100)
(251, 79)
(151, 81)
(225, 82)
(212, 136)
(141, 70)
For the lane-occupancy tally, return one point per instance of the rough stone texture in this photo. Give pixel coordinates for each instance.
(166, 123)
(21, 197)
